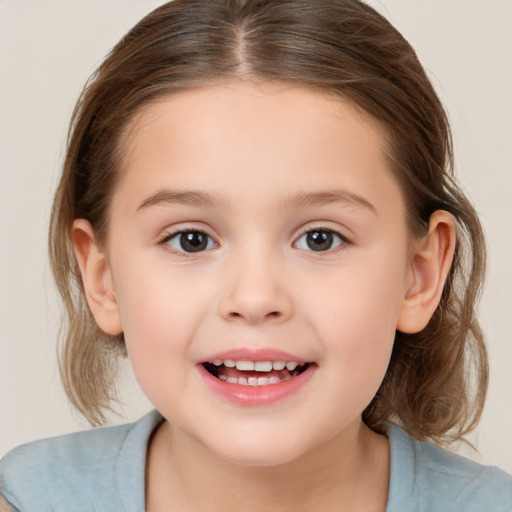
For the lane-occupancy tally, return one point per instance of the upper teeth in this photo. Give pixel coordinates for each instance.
(259, 366)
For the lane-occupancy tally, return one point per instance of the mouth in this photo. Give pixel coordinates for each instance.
(254, 373)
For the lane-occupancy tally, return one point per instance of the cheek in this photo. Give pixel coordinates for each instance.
(356, 316)
(360, 296)
(159, 321)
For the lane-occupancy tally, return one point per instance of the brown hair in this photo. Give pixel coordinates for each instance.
(436, 381)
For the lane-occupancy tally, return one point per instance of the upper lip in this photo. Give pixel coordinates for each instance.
(248, 354)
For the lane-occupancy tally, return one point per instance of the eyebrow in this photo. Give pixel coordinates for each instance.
(300, 200)
(305, 199)
(187, 197)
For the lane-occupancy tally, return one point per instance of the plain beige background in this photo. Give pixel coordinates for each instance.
(49, 48)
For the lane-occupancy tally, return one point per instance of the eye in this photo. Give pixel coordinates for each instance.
(319, 240)
(189, 241)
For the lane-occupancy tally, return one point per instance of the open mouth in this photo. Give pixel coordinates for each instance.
(254, 373)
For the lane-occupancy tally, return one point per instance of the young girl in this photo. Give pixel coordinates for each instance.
(257, 207)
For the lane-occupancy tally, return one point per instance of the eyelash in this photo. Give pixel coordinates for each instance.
(170, 236)
(343, 241)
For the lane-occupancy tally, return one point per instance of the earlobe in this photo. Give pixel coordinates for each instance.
(430, 263)
(96, 277)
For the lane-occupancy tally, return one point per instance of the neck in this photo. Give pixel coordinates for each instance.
(350, 472)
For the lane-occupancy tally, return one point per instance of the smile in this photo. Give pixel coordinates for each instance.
(255, 377)
(254, 373)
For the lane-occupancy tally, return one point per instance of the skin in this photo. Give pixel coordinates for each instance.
(258, 284)
(6, 507)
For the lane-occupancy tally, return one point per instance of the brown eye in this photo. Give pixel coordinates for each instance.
(190, 241)
(319, 240)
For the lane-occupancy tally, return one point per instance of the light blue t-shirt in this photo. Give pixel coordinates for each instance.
(103, 470)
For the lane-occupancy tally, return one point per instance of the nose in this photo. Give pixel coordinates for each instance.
(255, 292)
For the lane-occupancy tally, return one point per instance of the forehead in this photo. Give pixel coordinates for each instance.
(251, 135)
(250, 106)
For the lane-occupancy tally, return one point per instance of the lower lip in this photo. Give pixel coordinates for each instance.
(256, 395)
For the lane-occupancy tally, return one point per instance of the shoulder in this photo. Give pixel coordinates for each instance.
(434, 478)
(77, 471)
(471, 486)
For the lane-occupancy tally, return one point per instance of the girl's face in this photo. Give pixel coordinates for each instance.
(258, 225)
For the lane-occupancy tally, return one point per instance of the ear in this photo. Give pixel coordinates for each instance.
(431, 260)
(96, 277)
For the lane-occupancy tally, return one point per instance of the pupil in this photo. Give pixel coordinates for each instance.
(319, 240)
(193, 241)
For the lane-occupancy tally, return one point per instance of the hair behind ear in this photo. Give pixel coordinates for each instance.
(436, 383)
(88, 355)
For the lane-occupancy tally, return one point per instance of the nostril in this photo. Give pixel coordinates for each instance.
(254, 317)
(272, 314)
